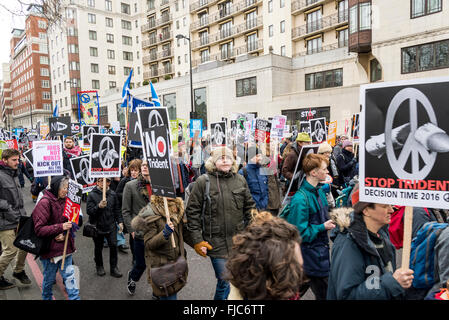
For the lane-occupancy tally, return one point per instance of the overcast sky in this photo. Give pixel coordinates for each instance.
(8, 21)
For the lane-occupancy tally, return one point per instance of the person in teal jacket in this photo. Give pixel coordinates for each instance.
(309, 213)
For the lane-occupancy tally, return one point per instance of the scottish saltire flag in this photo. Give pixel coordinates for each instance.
(154, 97)
(137, 103)
(125, 90)
(56, 111)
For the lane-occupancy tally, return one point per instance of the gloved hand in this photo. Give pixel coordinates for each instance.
(167, 231)
(200, 245)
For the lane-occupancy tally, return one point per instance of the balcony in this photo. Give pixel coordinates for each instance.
(224, 13)
(153, 24)
(162, 37)
(200, 4)
(333, 46)
(300, 6)
(164, 3)
(320, 25)
(249, 25)
(150, 74)
(250, 47)
(156, 56)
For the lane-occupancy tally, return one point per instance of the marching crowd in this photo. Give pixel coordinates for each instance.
(272, 226)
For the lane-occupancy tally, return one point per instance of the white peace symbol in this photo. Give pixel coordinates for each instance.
(84, 170)
(90, 130)
(411, 146)
(154, 114)
(319, 132)
(106, 159)
(218, 134)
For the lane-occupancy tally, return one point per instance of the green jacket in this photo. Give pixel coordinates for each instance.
(304, 203)
(229, 212)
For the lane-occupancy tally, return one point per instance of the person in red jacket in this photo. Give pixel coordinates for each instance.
(50, 223)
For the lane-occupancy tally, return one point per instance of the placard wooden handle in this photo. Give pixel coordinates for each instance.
(406, 247)
(65, 249)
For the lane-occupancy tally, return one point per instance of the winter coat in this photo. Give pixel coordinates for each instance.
(104, 219)
(257, 183)
(11, 200)
(120, 188)
(346, 165)
(48, 219)
(357, 271)
(229, 211)
(135, 197)
(288, 167)
(308, 212)
(159, 251)
(441, 260)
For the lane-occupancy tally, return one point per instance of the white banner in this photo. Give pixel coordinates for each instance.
(47, 158)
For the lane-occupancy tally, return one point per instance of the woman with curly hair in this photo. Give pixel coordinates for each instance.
(266, 262)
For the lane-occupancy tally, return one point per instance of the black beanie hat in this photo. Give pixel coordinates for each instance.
(55, 184)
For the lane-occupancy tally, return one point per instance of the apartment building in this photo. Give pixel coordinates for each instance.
(29, 70)
(5, 97)
(336, 46)
(94, 48)
(165, 55)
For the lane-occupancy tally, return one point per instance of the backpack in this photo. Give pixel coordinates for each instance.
(422, 254)
(396, 227)
(27, 239)
(343, 199)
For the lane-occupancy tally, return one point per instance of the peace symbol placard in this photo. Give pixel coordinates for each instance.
(105, 156)
(404, 145)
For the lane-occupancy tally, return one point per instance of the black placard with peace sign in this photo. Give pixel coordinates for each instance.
(404, 146)
(105, 156)
(87, 131)
(80, 172)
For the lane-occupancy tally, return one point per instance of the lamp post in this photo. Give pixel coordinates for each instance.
(192, 112)
(31, 113)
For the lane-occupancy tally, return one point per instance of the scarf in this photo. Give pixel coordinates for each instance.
(74, 152)
(144, 187)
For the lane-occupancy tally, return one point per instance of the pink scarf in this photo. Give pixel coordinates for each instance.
(74, 152)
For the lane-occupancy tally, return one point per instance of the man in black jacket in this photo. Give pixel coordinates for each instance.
(346, 164)
(104, 214)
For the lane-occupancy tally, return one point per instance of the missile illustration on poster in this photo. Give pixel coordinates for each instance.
(80, 171)
(218, 134)
(105, 156)
(87, 132)
(60, 126)
(318, 130)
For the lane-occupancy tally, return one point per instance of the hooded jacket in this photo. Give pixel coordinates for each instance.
(11, 200)
(441, 260)
(48, 219)
(257, 183)
(106, 218)
(288, 167)
(346, 166)
(229, 211)
(159, 251)
(357, 271)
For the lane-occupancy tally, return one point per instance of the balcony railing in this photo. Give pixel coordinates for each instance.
(322, 24)
(250, 47)
(200, 4)
(153, 24)
(299, 6)
(223, 13)
(155, 56)
(223, 34)
(158, 39)
(330, 47)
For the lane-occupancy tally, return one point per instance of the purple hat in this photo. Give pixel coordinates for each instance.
(346, 143)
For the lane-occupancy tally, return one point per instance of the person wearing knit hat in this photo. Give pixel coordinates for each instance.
(219, 206)
(346, 164)
(362, 243)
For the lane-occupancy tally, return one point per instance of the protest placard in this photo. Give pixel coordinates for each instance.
(80, 171)
(73, 202)
(262, 131)
(218, 134)
(355, 127)
(60, 126)
(196, 125)
(404, 143)
(105, 157)
(318, 130)
(332, 133)
(12, 144)
(76, 128)
(47, 158)
(87, 131)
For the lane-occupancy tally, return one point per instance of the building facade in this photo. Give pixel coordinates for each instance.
(29, 71)
(5, 97)
(331, 49)
(94, 48)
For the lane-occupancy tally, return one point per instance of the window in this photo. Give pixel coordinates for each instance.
(270, 6)
(200, 100)
(46, 95)
(226, 50)
(111, 54)
(74, 65)
(353, 20)
(127, 56)
(45, 83)
(43, 48)
(365, 16)
(126, 25)
(375, 71)
(125, 8)
(184, 21)
(91, 3)
(282, 3)
(94, 68)
(45, 72)
(204, 38)
(150, 4)
(109, 38)
(343, 11)
(282, 26)
(91, 18)
(169, 101)
(108, 5)
(177, 24)
(42, 35)
(126, 71)
(204, 18)
(205, 55)
(72, 31)
(283, 51)
(112, 84)
(424, 7)
(324, 79)
(425, 57)
(270, 31)
(95, 84)
(226, 29)
(127, 40)
(109, 22)
(246, 87)
(251, 20)
(314, 45)
(251, 42)
(93, 52)
(43, 59)
(111, 69)
(224, 8)
(42, 24)
(343, 38)
(92, 35)
(314, 21)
